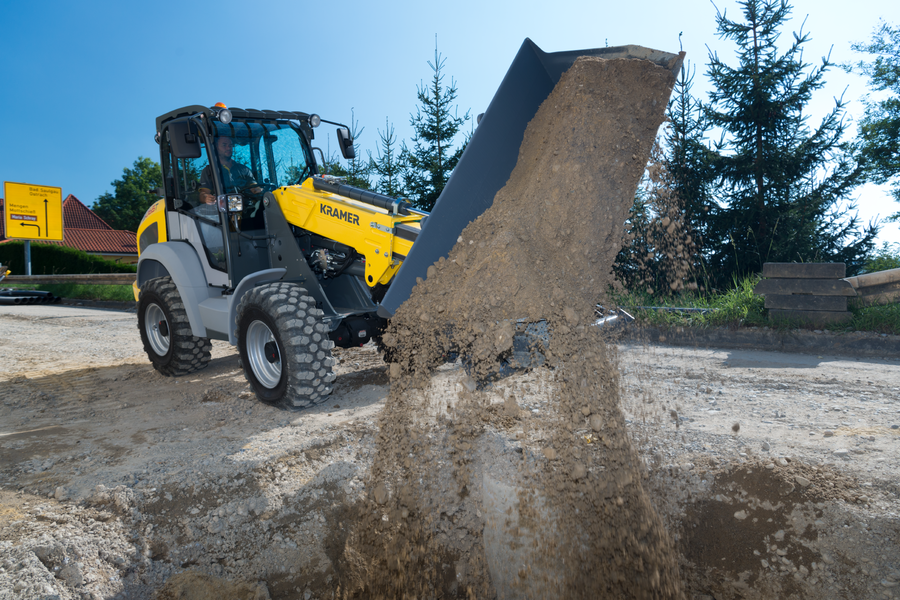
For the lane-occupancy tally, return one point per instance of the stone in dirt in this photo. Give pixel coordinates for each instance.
(576, 517)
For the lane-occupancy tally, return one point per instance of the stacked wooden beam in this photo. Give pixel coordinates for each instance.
(881, 287)
(807, 293)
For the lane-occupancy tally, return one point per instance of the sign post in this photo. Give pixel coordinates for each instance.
(33, 212)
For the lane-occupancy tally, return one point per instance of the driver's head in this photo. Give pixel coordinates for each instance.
(225, 146)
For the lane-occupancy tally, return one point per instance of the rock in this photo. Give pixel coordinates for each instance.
(596, 422)
(381, 494)
(842, 453)
(828, 433)
(395, 370)
(802, 481)
(770, 466)
(71, 575)
(766, 447)
(549, 453)
(741, 515)
(578, 471)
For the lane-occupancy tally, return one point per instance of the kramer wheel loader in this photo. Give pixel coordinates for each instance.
(252, 243)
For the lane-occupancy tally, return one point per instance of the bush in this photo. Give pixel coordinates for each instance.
(49, 259)
(885, 258)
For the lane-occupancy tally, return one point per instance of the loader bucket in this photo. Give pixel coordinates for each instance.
(492, 152)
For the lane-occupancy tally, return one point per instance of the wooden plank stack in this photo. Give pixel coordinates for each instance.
(806, 293)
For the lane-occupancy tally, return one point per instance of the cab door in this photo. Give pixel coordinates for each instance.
(184, 154)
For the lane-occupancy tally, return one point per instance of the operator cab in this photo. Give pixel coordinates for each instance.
(217, 165)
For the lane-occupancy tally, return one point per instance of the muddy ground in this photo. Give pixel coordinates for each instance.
(776, 474)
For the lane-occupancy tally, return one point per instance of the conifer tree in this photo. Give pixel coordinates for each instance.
(388, 165)
(783, 189)
(432, 158)
(879, 129)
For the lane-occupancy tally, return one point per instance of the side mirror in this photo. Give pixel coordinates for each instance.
(184, 139)
(346, 143)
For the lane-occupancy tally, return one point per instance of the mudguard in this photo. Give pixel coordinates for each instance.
(179, 261)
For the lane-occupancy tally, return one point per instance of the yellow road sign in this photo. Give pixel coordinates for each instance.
(33, 212)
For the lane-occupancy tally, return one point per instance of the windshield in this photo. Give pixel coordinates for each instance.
(275, 154)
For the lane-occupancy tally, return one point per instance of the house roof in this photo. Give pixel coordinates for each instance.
(78, 216)
(86, 231)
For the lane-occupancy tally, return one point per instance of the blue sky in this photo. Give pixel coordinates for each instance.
(82, 83)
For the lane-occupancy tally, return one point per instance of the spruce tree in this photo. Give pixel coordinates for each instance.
(879, 129)
(387, 165)
(783, 188)
(432, 158)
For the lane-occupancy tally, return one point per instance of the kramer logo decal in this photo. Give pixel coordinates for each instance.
(343, 215)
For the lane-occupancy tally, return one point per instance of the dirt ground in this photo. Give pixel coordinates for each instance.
(776, 474)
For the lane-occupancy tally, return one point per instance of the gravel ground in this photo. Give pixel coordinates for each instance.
(776, 473)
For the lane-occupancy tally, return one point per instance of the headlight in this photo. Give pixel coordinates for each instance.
(231, 203)
(315, 120)
(225, 116)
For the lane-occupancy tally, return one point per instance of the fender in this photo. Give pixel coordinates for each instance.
(179, 260)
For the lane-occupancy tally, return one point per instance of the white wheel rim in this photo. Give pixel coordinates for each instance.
(267, 373)
(153, 318)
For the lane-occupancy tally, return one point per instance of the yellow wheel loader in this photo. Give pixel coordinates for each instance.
(253, 244)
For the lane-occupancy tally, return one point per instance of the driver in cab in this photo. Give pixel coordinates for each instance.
(235, 176)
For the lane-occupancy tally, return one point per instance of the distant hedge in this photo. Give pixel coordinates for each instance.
(48, 259)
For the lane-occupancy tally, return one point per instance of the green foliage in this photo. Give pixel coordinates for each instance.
(879, 129)
(117, 293)
(49, 259)
(883, 318)
(885, 258)
(782, 188)
(388, 164)
(736, 306)
(431, 160)
(124, 208)
(687, 158)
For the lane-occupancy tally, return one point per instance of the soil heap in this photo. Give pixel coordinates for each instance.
(580, 524)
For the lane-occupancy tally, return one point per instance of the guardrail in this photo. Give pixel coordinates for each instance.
(92, 279)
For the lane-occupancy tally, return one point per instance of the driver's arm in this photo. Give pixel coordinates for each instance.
(206, 195)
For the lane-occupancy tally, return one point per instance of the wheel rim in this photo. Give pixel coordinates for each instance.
(267, 372)
(154, 320)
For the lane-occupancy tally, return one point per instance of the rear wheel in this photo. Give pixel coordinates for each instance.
(166, 332)
(284, 346)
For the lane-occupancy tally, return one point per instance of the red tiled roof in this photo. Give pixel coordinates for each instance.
(86, 231)
(78, 216)
(109, 241)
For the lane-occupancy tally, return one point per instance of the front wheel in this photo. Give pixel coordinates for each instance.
(284, 346)
(166, 332)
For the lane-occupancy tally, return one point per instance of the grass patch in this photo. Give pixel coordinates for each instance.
(740, 307)
(118, 293)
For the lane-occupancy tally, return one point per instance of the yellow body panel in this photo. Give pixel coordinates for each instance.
(156, 214)
(366, 228)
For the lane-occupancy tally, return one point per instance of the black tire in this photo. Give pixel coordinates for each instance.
(284, 346)
(166, 332)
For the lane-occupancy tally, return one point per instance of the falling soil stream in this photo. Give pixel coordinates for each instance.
(565, 504)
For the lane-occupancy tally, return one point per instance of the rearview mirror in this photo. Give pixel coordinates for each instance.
(346, 143)
(184, 139)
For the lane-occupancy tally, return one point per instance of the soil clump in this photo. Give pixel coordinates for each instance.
(556, 496)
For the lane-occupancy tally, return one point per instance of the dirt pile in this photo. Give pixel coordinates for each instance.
(558, 493)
